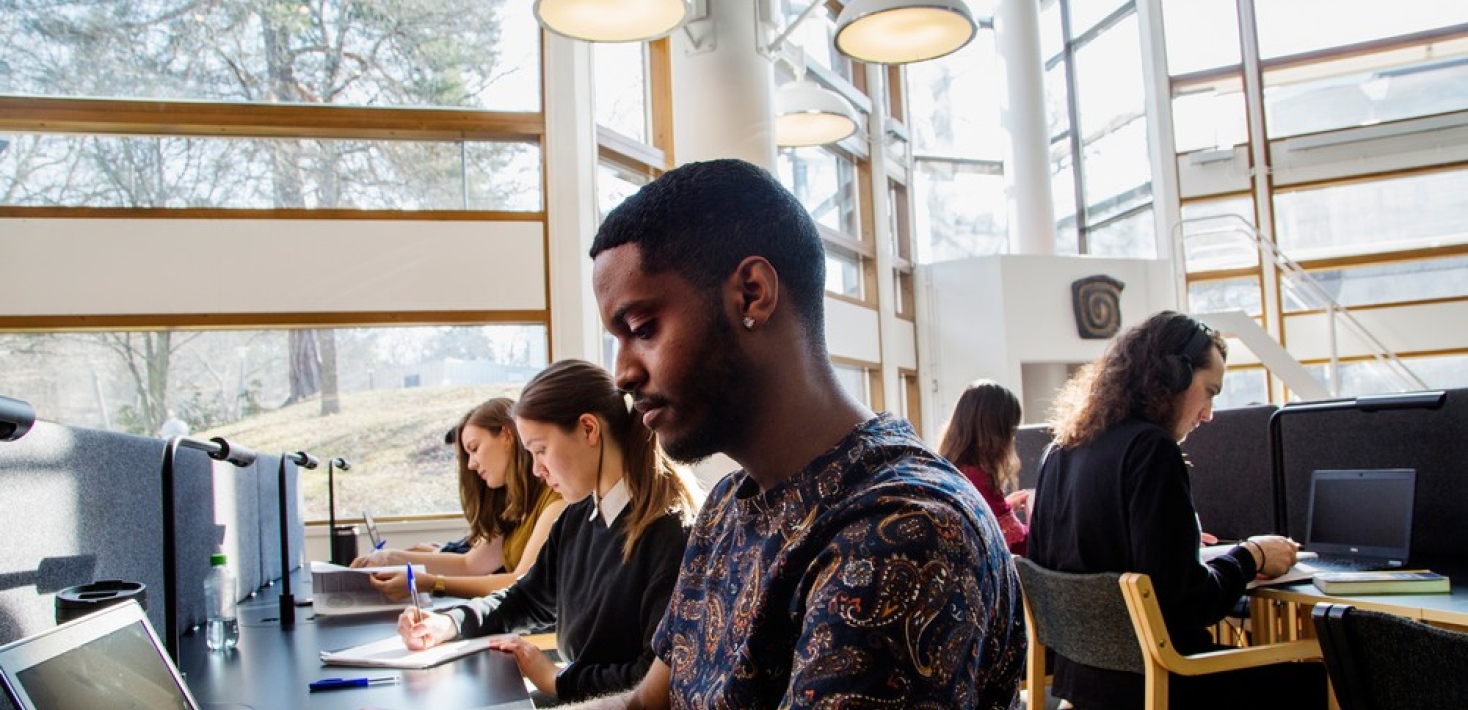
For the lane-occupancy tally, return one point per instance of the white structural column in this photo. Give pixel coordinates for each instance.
(1031, 205)
(1166, 202)
(570, 198)
(888, 324)
(723, 87)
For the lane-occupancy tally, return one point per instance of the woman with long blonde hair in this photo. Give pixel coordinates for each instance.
(510, 512)
(605, 575)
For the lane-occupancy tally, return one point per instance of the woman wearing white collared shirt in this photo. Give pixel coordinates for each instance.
(604, 576)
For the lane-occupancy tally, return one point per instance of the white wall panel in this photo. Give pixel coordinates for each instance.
(161, 266)
(852, 331)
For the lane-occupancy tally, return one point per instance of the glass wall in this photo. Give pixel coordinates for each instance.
(1364, 204)
(380, 397)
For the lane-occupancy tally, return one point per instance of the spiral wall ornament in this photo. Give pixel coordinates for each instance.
(1097, 303)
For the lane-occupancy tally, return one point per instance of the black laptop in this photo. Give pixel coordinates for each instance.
(1360, 519)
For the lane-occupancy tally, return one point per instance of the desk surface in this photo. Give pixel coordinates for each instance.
(272, 668)
(1450, 608)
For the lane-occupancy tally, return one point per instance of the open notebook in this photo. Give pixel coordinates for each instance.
(107, 659)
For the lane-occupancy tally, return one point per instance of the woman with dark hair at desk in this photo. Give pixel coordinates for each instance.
(1113, 496)
(605, 575)
(510, 512)
(979, 440)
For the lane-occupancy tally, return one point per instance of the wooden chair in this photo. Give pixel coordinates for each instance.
(1379, 661)
(1113, 621)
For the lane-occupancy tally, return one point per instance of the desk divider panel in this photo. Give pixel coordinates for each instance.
(84, 505)
(1229, 459)
(1430, 441)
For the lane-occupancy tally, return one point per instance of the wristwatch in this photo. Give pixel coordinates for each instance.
(438, 589)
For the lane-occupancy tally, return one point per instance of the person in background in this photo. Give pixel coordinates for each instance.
(979, 440)
(846, 565)
(510, 512)
(1113, 496)
(605, 575)
(461, 545)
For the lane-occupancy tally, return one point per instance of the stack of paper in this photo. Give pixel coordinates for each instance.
(346, 590)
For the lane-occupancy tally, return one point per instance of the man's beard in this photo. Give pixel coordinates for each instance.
(721, 387)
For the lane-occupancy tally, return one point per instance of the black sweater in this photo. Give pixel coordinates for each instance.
(1123, 503)
(609, 610)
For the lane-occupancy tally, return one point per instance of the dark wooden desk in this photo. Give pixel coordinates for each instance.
(273, 666)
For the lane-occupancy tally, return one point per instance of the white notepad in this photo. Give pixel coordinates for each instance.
(392, 653)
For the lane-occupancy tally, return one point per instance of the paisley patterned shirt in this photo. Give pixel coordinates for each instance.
(876, 577)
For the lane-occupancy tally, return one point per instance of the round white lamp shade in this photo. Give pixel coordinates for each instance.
(903, 31)
(808, 114)
(611, 20)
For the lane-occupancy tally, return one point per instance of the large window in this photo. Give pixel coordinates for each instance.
(448, 53)
(1094, 85)
(249, 113)
(380, 397)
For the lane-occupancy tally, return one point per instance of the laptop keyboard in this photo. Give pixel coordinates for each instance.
(1341, 564)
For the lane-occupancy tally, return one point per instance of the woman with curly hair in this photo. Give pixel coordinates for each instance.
(1113, 495)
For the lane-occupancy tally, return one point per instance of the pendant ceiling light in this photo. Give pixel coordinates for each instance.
(611, 20)
(902, 31)
(808, 114)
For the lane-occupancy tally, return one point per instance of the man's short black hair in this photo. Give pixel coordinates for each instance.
(701, 219)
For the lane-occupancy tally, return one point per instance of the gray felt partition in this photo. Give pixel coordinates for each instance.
(1430, 441)
(1229, 458)
(82, 505)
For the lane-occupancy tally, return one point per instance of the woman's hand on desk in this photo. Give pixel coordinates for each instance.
(425, 629)
(380, 558)
(394, 585)
(536, 666)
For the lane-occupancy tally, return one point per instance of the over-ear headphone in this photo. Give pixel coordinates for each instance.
(1180, 366)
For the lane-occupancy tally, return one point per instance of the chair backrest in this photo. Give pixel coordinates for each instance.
(1380, 661)
(1081, 616)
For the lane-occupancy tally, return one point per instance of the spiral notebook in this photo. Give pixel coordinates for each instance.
(392, 653)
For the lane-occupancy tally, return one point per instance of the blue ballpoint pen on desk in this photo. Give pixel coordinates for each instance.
(342, 683)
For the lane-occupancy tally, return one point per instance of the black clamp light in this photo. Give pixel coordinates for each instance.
(218, 449)
(16, 418)
(287, 599)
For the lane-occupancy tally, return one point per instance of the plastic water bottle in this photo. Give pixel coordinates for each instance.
(222, 630)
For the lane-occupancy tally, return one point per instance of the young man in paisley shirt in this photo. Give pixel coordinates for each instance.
(846, 564)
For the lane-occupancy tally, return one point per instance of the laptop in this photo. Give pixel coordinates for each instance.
(371, 526)
(110, 658)
(1360, 519)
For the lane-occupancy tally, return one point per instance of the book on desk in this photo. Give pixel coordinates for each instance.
(1388, 582)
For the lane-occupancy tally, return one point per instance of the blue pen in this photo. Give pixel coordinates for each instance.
(341, 683)
(413, 595)
(379, 544)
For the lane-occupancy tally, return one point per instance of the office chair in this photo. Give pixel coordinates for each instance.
(1379, 661)
(1112, 621)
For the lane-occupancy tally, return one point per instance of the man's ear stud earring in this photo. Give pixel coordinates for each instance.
(748, 323)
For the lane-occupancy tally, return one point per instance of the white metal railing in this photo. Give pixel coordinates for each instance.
(1306, 290)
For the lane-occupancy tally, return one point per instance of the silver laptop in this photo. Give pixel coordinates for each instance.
(107, 659)
(1360, 519)
(371, 526)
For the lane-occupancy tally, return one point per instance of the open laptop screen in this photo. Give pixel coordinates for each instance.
(108, 659)
(1362, 513)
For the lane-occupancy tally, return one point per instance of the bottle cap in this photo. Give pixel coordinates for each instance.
(218, 560)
